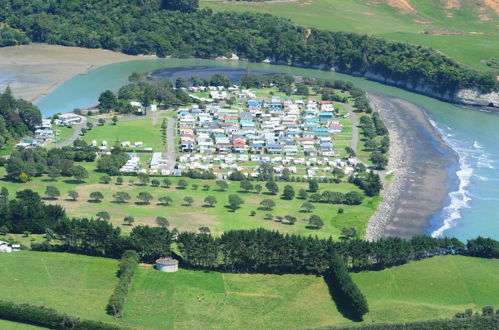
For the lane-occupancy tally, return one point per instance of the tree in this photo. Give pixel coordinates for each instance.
(119, 180)
(308, 206)
(182, 184)
(53, 173)
(267, 204)
(4, 195)
(143, 178)
(188, 200)
(115, 120)
(288, 193)
(272, 187)
(180, 82)
(315, 221)
(129, 220)
(206, 187)
(378, 159)
(350, 152)
(103, 216)
(105, 179)
(162, 222)
(145, 197)
(222, 185)
(313, 185)
(246, 185)
(204, 230)
(155, 183)
(52, 192)
(96, 196)
(167, 183)
(210, 201)
(165, 200)
(353, 198)
(258, 188)
(78, 172)
(107, 101)
(235, 202)
(302, 194)
(101, 121)
(122, 197)
(73, 195)
(195, 186)
(290, 219)
(348, 233)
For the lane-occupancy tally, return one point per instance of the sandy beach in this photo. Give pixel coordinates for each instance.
(419, 160)
(34, 70)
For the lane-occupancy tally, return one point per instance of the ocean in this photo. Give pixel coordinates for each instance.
(472, 206)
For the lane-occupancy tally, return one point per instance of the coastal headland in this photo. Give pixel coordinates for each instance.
(419, 161)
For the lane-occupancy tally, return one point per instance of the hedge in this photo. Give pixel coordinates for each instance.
(48, 317)
(345, 292)
(128, 265)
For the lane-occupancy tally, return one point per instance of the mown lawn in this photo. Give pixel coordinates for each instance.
(144, 130)
(468, 34)
(70, 283)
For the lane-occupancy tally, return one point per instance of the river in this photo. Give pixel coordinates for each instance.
(472, 207)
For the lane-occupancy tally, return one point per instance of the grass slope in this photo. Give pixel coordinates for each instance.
(80, 285)
(74, 284)
(467, 33)
(8, 325)
(432, 288)
(428, 289)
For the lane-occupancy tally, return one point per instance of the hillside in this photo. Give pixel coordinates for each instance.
(432, 288)
(464, 30)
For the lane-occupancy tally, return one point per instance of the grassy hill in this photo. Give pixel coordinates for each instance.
(464, 30)
(427, 289)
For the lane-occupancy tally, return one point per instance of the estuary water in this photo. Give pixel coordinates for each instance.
(472, 207)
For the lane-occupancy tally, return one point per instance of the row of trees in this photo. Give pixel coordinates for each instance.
(128, 264)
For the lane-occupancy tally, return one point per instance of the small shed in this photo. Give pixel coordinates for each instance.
(167, 265)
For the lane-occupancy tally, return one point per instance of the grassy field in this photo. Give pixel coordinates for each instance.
(433, 288)
(74, 284)
(148, 131)
(467, 32)
(8, 325)
(218, 218)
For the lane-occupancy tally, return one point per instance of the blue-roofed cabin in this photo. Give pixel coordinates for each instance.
(321, 131)
(254, 104)
(275, 106)
(325, 116)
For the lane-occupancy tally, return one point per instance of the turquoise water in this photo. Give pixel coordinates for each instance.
(472, 207)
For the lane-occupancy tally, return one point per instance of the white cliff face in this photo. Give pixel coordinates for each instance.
(476, 97)
(470, 96)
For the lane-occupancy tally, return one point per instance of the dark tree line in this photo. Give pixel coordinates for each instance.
(148, 27)
(17, 117)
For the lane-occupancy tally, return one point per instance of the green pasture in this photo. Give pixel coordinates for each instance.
(9, 325)
(428, 289)
(75, 284)
(468, 34)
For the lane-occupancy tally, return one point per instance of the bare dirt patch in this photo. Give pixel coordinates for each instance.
(492, 4)
(404, 6)
(420, 21)
(451, 4)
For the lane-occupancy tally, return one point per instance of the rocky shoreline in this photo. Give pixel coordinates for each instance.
(419, 160)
